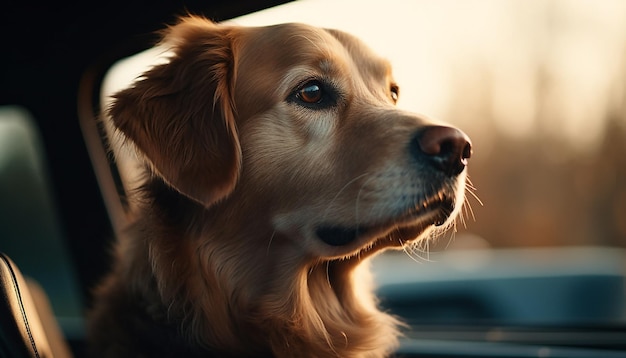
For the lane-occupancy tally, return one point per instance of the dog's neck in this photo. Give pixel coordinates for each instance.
(237, 297)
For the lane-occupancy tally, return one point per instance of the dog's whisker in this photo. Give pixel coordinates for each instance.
(269, 243)
(421, 251)
(451, 237)
(358, 199)
(469, 205)
(328, 273)
(311, 42)
(469, 184)
(332, 201)
(408, 250)
(470, 190)
(467, 211)
(463, 213)
(471, 210)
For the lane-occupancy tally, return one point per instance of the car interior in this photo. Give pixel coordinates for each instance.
(535, 266)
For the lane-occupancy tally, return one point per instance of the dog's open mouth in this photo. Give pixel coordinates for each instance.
(434, 210)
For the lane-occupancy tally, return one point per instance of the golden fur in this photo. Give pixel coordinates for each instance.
(276, 163)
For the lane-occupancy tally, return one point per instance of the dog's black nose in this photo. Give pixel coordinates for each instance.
(445, 148)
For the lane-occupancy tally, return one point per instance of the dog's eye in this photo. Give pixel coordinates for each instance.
(310, 93)
(394, 90)
(315, 95)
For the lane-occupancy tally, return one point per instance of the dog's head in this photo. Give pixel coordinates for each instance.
(294, 130)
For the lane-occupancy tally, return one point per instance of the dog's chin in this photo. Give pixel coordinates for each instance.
(409, 226)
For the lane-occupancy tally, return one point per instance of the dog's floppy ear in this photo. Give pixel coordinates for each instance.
(180, 115)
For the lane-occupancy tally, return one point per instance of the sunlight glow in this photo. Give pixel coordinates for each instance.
(519, 66)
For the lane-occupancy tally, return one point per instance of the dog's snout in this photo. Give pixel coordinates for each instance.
(445, 148)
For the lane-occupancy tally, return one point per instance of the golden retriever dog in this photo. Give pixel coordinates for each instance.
(276, 164)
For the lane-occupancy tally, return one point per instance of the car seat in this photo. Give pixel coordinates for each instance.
(28, 327)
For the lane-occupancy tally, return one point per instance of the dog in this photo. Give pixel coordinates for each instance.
(276, 164)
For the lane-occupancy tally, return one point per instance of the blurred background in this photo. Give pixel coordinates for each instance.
(539, 86)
